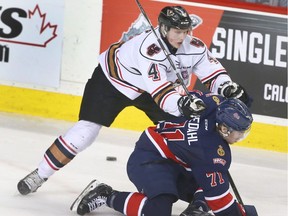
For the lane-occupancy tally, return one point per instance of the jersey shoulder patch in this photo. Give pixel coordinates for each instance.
(192, 46)
(150, 48)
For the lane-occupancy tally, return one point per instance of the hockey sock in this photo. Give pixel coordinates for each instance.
(66, 147)
(57, 156)
(134, 204)
(127, 203)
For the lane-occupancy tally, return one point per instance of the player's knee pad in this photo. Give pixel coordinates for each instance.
(159, 205)
(81, 135)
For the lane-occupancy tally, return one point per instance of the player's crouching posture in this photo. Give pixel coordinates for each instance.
(137, 73)
(181, 159)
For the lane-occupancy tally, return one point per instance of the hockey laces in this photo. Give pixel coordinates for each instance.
(34, 181)
(96, 203)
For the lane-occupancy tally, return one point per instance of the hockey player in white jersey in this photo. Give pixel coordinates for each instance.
(137, 73)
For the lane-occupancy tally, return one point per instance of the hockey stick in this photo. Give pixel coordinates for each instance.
(234, 188)
(165, 51)
(248, 208)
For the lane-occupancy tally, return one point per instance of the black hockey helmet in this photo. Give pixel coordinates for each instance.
(174, 17)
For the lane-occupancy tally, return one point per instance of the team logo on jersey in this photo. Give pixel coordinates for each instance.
(220, 151)
(140, 25)
(216, 99)
(185, 74)
(219, 161)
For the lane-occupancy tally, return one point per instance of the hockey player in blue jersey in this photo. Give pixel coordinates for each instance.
(186, 159)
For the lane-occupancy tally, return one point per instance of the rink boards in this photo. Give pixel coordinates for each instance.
(270, 135)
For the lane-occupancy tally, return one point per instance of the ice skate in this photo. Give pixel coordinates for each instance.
(92, 197)
(30, 183)
(197, 208)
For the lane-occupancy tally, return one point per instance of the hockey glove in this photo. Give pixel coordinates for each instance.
(250, 210)
(196, 208)
(233, 90)
(191, 106)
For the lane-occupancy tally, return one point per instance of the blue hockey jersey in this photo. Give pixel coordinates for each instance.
(196, 145)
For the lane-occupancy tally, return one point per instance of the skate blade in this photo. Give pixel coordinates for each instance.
(94, 183)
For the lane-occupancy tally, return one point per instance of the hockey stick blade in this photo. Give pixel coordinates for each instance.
(251, 209)
(93, 184)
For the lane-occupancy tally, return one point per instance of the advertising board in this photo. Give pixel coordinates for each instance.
(31, 39)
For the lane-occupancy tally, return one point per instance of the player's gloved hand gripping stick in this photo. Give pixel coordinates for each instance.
(189, 104)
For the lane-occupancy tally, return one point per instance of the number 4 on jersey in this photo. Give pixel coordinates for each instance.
(153, 72)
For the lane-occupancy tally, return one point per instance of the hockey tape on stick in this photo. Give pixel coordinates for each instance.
(165, 51)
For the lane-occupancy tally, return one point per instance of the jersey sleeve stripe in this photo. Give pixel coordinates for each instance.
(212, 84)
(221, 202)
(134, 204)
(161, 145)
(213, 75)
(115, 77)
(163, 93)
(163, 100)
(160, 89)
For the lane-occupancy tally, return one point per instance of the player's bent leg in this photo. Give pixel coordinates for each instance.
(159, 205)
(134, 204)
(98, 194)
(60, 153)
(66, 147)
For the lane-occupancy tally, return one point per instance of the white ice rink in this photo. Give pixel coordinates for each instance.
(261, 176)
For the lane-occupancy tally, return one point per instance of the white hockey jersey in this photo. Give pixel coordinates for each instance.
(140, 65)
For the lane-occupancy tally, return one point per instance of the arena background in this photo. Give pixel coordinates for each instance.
(47, 78)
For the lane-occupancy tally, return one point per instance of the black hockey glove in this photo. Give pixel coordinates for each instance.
(250, 210)
(191, 106)
(196, 208)
(233, 90)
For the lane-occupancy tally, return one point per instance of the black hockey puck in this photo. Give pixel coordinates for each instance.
(111, 158)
